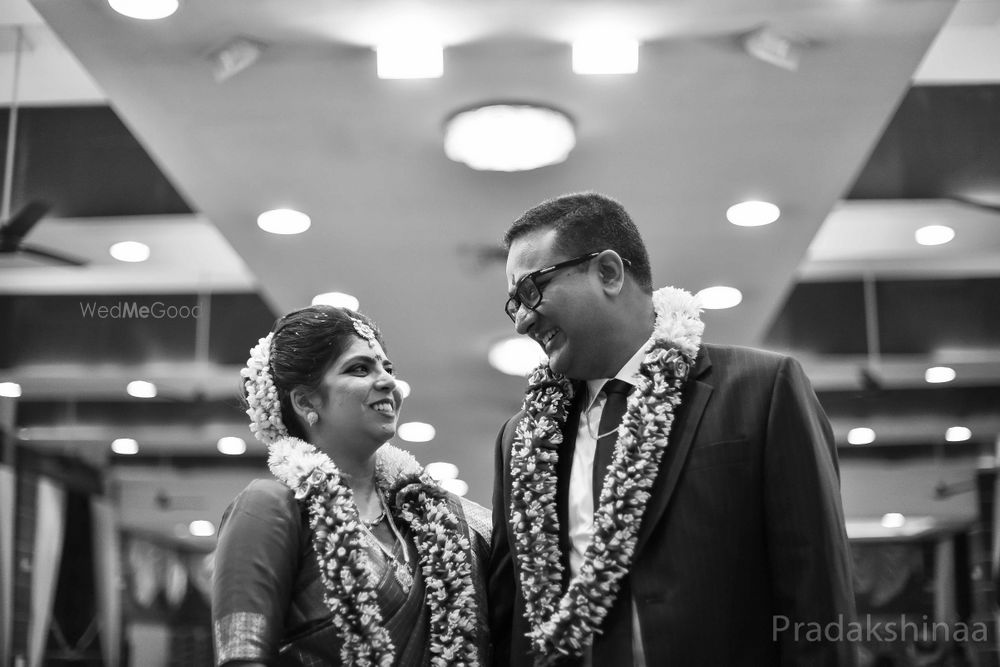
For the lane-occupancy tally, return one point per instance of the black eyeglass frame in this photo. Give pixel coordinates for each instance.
(514, 303)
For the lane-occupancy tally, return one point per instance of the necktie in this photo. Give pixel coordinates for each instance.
(614, 409)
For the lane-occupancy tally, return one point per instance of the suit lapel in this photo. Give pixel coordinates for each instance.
(694, 399)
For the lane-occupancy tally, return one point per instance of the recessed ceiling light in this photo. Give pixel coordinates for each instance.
(938, 374)
(409, 60)
(231, 445)
(202, 528)
(10, 389)
(893, 520)
(719, 297)
(338, 299)
(456, 486)
(934, 235)
(404, 388)
(441, 470)
(860, 436)
(125, 446)
(283, 221)
(141, 389)
(416, 432)
(957, 434)
(516, 356)
(130, 251)
(509, 137)
(145, 9)
(606, 56)
(753, 213)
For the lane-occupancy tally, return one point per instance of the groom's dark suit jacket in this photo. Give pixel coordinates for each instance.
(742, 539)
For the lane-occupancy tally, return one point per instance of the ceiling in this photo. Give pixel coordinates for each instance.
(837, 143)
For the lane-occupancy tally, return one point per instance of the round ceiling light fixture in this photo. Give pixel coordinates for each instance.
(125, 446)
(516, 356)
(753, 213)
(861, 436)
(939, 374)
(934, 235)
(416, 432)
(141, 389)
(145, 9)
(283, 221)
(10, 389)
(231, 445)
(338, 299)
(509, 137)
(719, 297)
(129, 251)
(957, 434)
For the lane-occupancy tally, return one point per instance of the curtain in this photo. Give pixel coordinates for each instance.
(107, 575)
(7, 518)
(49, 529)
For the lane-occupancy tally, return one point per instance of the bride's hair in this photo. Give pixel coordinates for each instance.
(304, 345)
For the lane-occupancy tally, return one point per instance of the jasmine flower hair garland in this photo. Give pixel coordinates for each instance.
(564, 625)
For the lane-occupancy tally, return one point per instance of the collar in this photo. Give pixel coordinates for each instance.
(627, 373)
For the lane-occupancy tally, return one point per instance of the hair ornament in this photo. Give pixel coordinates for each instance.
(364, 331)
(262, 396)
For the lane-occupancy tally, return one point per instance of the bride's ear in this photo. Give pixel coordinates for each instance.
(303, 402)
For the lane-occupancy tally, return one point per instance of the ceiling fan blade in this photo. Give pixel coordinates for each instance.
(21, 222)
(49, 254)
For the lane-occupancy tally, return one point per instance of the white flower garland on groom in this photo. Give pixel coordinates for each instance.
(564, 625)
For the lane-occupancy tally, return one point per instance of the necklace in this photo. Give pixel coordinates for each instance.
(371, 523)
(590, 426)
(401, 571)
(563, 623)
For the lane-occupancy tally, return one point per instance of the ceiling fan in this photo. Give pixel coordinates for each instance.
(13, 229)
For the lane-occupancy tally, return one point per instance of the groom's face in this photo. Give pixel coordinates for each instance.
(566, 323)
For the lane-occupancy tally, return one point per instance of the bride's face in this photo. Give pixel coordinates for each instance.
(359, 397)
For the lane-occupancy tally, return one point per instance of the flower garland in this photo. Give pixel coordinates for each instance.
(263, 404)
(443, 552)
(564, 625)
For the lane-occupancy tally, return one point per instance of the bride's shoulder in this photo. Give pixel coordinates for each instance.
(265, 498)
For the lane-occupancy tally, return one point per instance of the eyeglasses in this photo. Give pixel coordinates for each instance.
(528, 293)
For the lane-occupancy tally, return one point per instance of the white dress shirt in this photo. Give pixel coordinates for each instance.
(580, 506)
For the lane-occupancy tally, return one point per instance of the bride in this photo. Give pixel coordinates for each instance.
(351, 554)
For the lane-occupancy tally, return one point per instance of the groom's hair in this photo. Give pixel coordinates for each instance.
(585, 222)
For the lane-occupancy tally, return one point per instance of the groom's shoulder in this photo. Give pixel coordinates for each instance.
(726, 355)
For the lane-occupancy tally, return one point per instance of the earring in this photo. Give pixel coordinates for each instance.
(312, 418)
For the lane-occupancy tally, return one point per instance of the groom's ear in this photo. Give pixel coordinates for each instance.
(611, 270)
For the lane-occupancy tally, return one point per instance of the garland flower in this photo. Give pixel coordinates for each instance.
(263, 405)
(564, 624)
(443, 552)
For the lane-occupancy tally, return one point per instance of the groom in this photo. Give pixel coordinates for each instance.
(685, 513)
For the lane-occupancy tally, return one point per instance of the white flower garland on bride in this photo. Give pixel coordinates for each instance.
(564, 625)
(443, 552)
